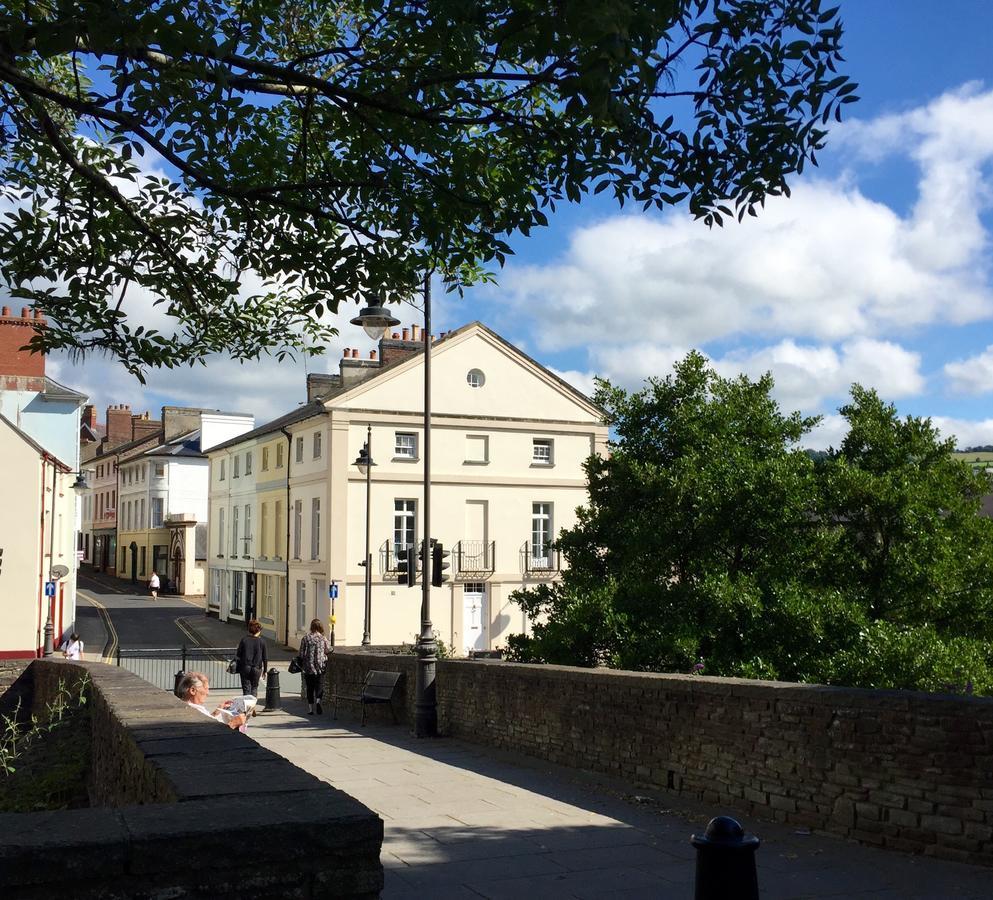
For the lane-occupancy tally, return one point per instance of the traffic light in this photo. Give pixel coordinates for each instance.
(438, 564)
(407, 566)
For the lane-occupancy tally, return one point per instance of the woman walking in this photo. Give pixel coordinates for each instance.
(314, 651)
(252, 659)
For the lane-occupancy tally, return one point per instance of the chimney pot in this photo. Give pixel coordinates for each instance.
(38, 314)
(395, 335)
(25, 312)
(6, 310)
(413, 332)
(406, 334)
(372, 354)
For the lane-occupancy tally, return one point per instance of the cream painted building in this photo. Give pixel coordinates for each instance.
(38, 497)
(163, 499)
(509, 440)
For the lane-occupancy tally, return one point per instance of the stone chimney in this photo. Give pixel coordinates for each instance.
(177, 420)
(15, 332)
(352, 370)
(400, 346)
(118, 424)
(319, 384)
(89, 418)
(142, 426)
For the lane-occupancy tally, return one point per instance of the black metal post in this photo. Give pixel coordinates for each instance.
(367, 627)
(426, 706)
(725, 862)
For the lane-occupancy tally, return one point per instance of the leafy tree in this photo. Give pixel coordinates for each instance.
(339, 151)
(709, 535)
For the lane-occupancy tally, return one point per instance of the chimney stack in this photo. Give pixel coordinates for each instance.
(90, 416)
(15, 333)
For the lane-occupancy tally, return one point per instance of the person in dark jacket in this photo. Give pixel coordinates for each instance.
(314, 649)
(252, 660)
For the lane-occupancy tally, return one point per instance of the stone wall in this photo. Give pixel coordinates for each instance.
(347, 670)
(189, 809)
(900, 769)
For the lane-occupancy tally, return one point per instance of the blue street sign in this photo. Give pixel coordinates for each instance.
(333, 591)
(49, 588)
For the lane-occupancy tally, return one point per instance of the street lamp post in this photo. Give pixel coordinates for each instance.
(79, 485)
(375, 320)
(365, 464)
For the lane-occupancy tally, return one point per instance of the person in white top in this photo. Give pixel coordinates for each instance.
(153, 584)
(73, 648)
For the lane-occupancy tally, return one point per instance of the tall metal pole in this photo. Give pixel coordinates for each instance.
(367, 628)
(426, 706)
(50, 621)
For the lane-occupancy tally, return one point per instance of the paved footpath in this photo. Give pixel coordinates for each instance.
(463, 821)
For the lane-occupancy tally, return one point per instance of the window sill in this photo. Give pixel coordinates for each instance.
(246, 556)
(406, 459)
(541, 465)
(220, 556)
(475, 462)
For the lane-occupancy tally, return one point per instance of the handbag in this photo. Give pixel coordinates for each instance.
(296, 665)
(233, 667)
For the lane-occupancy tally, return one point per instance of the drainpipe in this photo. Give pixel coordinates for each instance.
(286, 618)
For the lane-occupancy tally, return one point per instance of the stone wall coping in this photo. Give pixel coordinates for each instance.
(223, 794)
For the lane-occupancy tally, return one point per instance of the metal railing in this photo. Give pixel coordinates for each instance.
(539, 559)
(388, 559)
(159, 665)
(474, 558)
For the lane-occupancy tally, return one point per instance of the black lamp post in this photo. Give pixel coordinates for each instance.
(375, 320)
(365, 464)
(79, 485)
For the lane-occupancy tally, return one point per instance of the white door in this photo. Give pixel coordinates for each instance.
(474, 616)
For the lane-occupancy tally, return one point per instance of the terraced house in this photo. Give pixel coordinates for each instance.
(509, 439)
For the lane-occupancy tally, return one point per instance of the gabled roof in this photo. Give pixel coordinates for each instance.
(55, 391)
(182, 445)
(41, 451)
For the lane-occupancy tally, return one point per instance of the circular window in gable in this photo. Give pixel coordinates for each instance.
(475, 378)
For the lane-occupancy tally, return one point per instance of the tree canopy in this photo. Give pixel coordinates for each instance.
(711, 537)
(184, 150)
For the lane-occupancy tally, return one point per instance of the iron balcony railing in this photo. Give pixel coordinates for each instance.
(474, 559)
(539, 559)
(388, 555)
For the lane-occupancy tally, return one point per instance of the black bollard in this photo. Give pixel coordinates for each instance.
(725, 862)
(175, 683)
(272, 691)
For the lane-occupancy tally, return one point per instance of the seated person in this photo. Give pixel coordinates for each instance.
(193, 689)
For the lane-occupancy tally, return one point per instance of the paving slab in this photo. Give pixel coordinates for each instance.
(465, 821)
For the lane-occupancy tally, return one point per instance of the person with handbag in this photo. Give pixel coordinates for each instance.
(252, 662)
(314, 649)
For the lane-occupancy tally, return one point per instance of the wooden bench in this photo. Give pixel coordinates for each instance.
(378, 687)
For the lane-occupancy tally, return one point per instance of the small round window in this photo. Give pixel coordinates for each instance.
(475, 378)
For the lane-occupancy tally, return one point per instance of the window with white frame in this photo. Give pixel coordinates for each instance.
(160, 470)
(541, 533)
(158, 511)
(279, 456)
(263, 532)
(477, 448)
(142, 521)
(541, 452)
(278, 530)
(247, 540)
(297, 527)
(220, 531)
(220, 469)
(234, 530)
(404, 518)
(248, 463)
(299, 446)
(236, 467)
(317, 445)
(475, 378)
(315, 528)
(405, 446)
(215, 588)
(265, 459)
(301, 605)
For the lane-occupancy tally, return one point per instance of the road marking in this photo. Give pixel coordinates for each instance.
(108, 625)
(183, 627)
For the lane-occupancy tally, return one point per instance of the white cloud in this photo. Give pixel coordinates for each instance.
(973, 375)
(966, 433)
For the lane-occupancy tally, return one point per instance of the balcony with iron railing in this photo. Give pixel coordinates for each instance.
(539, 559)
(474, 560)
(389, 554)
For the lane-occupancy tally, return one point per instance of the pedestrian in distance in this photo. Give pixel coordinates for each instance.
(154, 584)
(252, 660)
(73, 647)
(314, 650)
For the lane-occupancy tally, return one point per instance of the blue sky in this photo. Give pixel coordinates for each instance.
(877, 270)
